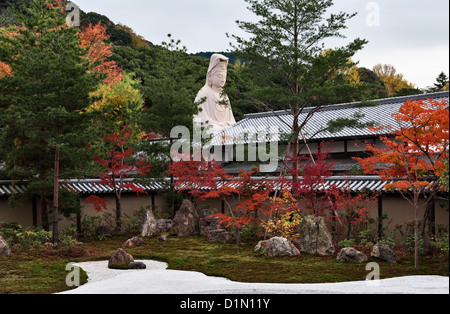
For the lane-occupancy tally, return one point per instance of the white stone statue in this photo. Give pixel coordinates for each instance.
(216, 113)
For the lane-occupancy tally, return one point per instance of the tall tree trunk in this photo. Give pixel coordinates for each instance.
(426, 227)
(56, 196)
(416, 231)
(118, 213)
(296, 130)
(296, 92)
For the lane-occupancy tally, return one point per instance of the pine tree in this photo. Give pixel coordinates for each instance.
(43, 102)
(286, 48)
(441, 81)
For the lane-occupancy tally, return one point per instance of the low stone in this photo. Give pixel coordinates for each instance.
(384, 252)
(221, 236)
(276, 246)
(120, 260)
(5, 250)
(208, 223)
(137, 265)
(148, 224)
(162, 238)
(163, 225)
(133, 242)
(351, 255)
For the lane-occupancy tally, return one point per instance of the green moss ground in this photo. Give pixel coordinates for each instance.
(44, 271)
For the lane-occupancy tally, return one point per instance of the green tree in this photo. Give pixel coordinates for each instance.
(117, 105)
(286, 49)
(117, 36)
(6, 16)
(44, 101)
(173, 89)
(376, 86)
(393, 81)
(441, 82)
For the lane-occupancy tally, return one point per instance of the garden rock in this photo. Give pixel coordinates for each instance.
(120, 260)
(5, 250)
(162, 238)
(148, 224)
(208, 223)
(163, 225)
(137, 265)
(133, 242)
(315, 238)
(186, 221)
(221, 236)
(351, 255)
(277, 247)
(384, 252)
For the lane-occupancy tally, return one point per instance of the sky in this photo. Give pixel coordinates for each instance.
(411, 35)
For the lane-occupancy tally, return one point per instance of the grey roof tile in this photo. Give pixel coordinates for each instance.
(380, 114)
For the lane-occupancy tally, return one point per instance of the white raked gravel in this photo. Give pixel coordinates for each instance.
(157, 279)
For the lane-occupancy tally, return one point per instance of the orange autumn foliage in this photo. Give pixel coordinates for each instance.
(94, 38)
(57, 4)
(5, 70)
(417, 149)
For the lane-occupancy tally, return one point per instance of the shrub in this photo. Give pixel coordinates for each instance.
(347, 243)
(441, 245)
(89, 226)
(32, 238)
(8, 231)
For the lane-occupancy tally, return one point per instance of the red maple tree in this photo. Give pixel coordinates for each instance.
(119, 167)
(413, 156)
(243, 194)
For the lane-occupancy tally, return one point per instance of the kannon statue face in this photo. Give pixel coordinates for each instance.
(219, 79)
(219, 76)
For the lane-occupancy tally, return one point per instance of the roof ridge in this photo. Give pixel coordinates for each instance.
(383, 101)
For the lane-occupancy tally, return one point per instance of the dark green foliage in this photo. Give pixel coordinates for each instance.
(208, 55)
(170, 80)
(408, 92)
(117, 36)
(441, 81)
(6, 16)
(42, 118)
(372, 84)
(286, 52)
(354, 122)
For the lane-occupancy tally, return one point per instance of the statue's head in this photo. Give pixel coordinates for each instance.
(217, 72)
